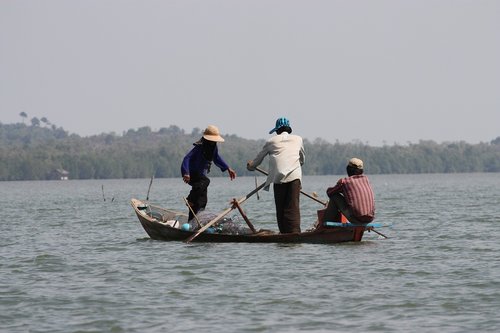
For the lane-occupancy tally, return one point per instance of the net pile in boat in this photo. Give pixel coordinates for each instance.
(226, 225)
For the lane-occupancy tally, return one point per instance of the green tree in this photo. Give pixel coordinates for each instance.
(35, 122)
(45, 121)
(23, 115)
(34, 152)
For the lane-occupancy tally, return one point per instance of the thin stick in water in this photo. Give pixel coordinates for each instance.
(149, 188)
(258, 197)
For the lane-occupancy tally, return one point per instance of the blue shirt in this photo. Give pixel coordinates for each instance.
(195, 163)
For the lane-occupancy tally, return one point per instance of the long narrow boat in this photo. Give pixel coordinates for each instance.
(164, 224)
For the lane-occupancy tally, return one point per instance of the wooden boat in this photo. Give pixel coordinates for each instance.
(164, 224)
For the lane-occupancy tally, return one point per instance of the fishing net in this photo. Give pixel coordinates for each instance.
(227, 225)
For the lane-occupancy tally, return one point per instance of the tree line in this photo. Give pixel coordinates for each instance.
(33, 152)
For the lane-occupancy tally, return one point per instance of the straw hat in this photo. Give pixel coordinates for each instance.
(212, 134)
(356, 163)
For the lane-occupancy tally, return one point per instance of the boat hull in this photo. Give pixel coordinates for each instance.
(157, 229)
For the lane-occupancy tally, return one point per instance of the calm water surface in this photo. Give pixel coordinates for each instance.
(72, 262)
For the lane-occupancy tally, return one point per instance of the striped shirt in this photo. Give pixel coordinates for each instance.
(358, 194)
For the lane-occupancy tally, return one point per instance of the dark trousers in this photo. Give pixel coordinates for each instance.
(337, 205)
(286, 199)
(198, 196)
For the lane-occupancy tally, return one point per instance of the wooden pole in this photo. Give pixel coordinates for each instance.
(149, 188)
(258, 198)
(192, 211)
(304, 193)
(235, 203)
(375, 231)
(224, 213)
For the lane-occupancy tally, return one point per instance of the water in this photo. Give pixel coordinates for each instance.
(72, 262)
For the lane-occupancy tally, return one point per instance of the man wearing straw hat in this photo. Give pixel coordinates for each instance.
(286, 156)
(196, 166)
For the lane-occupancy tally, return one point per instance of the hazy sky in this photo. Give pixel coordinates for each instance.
(378, 71)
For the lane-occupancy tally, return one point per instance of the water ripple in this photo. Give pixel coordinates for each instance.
(70, 262)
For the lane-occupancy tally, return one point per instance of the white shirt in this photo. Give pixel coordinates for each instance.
(286, 156)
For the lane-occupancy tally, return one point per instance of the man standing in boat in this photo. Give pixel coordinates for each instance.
(196, 166)
(351, 196)
(286, 156)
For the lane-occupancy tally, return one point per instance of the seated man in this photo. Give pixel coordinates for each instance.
(352, 196)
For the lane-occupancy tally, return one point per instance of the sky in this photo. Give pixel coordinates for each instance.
(377, 72)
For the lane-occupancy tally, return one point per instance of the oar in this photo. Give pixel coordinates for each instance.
(304, 193)
(375, 231)
(224, 213)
